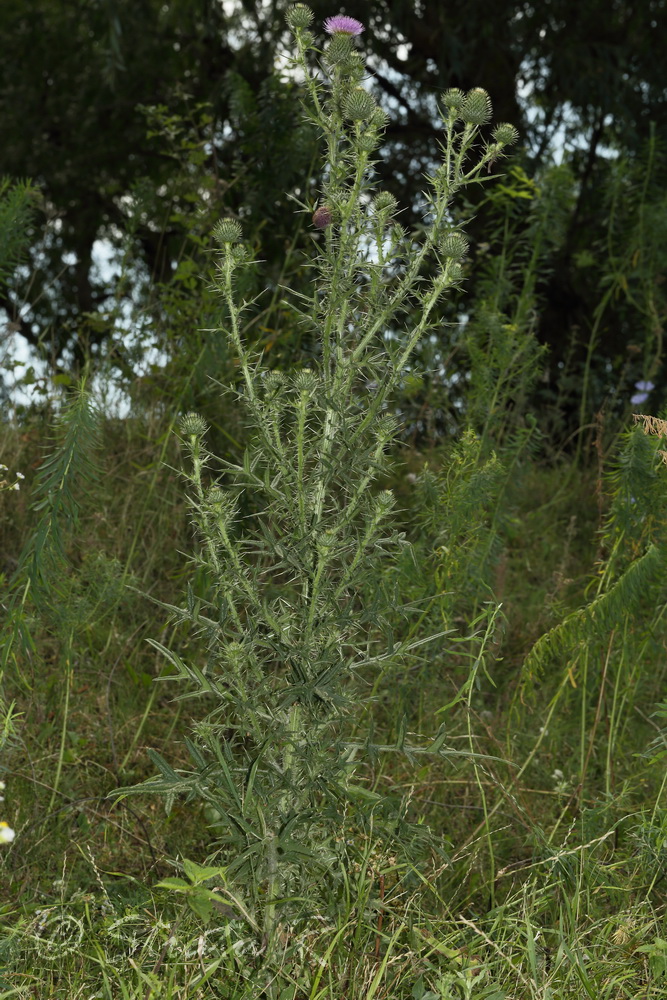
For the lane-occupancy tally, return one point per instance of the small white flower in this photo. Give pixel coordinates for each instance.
(19, 475)
(558, 775)
(6, 833)
(16, 486)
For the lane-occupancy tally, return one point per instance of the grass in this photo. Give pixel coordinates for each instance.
(547, 881)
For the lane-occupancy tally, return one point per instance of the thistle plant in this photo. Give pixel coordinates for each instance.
(295, 536)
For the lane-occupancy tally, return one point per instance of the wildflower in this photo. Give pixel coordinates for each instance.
(341, 24)
(6, 833)
(644, 389)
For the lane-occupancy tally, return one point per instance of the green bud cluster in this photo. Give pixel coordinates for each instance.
(298, 16)
(192, 425)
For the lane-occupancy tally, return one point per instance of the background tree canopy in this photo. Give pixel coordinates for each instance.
(142, 123)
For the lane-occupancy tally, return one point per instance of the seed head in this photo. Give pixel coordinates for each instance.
(476, 108)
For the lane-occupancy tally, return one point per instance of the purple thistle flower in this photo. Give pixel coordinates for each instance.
(341, 24)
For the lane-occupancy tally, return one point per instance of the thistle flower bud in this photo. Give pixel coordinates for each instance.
(274, 382)
(367, 143)
(379, 119)
(384, 204)
(386, 427)
(322, 217)
(192, 425)
(339, 49)
(240, 254)
(476, 108)
(222, 505)
(359, 106)
(398, 234)
(505, 134)
(227, 231)
(215, 496)
(384, 502)
(453, 99)
(455, 272)
(305, 381)
(453, 245)
(234, 654)
(298, 16)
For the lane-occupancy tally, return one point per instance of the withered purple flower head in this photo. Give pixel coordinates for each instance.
(322, 217)
(341, 24)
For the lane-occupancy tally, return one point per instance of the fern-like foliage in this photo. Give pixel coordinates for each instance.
(635, 539)
(62, 484)
(17, 204)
